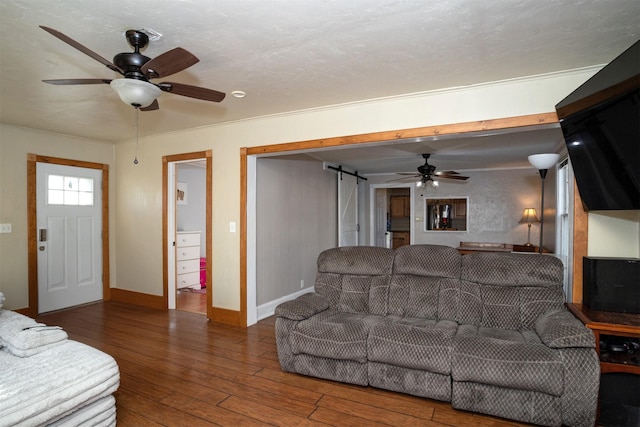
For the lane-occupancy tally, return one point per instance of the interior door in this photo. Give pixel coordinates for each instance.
(69, 222)
(382, 235)
(347, 210)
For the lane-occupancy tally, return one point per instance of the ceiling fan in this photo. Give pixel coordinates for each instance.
(427, 173)
(137, 70)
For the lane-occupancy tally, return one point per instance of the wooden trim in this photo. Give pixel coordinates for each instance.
(138, 298)
(106, 277)
(369, 138)
(228, 317)
(208, 231)
(383, 137)
(32, 236)
(580, 243)
(243, 237)
(208, 156)
(32, 223)
(69, 162)
(165, 235)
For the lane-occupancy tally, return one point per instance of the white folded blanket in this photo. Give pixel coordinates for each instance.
(23, 337)
(52, 385)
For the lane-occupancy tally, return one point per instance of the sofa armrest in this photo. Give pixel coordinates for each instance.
(303, 307)
(560, 329)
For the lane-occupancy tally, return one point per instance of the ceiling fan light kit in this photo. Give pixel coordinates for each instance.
(135, 92)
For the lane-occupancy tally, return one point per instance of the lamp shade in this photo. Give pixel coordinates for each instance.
(543, 161)
(529, 216)
(135, 92)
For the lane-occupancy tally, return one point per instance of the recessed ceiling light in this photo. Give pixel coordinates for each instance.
(239, 93)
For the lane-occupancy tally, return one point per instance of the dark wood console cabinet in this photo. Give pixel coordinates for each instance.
(612, 324)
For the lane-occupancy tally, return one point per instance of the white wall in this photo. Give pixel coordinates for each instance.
(15, 144)
(192, 215)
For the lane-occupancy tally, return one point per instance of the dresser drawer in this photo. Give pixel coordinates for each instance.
(188, 279)
(188, 239)
(187, 252)
(188, 266)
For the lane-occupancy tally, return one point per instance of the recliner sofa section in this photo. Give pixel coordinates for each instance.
(488, 332)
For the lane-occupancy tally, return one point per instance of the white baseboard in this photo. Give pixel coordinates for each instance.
(268, 309)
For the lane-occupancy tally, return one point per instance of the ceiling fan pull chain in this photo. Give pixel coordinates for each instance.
(135, 159)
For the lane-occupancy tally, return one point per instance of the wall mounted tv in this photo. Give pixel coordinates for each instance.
(601, 125)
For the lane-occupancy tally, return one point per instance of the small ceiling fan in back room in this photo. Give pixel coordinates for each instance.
(135, 88)
(427, 173)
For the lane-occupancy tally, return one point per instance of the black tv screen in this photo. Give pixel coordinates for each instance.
(601, 125)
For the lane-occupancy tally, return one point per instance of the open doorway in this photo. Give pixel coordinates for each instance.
(187, 233)
(191, 253)
(391, 213)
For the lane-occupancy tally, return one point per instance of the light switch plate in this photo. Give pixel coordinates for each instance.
(5, 228)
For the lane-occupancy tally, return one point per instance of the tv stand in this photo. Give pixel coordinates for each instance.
(609, 324)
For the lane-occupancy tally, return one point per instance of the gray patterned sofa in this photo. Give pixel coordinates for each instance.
(488, 332)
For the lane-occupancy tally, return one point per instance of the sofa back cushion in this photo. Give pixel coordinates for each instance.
(509, 290)
(425, 282)
(355, 279)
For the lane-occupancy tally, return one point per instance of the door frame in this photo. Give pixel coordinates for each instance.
(199, 155)
(32, 233)
(461, 128)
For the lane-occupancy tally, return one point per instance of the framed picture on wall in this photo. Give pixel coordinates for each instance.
(181, 193)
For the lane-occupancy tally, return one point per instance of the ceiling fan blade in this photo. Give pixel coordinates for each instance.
(169, 63)
(192, 91)
(71, 42)
(77, 81)
(151, 107)
(448, 173)
(446, 176)
(405, 179)
(408, 173)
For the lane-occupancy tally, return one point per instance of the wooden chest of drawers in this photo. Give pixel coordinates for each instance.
(188, 259)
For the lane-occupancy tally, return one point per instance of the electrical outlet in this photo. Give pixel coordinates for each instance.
(5, 228)
(302, 284)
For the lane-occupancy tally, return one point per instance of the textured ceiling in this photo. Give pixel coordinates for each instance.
(289, 55)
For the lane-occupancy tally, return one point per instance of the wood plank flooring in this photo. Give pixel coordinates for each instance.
(178, 369)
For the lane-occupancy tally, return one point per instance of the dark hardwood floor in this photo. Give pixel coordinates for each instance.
(177, 369)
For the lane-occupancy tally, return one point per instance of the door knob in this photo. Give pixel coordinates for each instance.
(41, 248)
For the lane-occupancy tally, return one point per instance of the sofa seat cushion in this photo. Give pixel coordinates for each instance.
(413, 343)
(505, 363)
(334, 334)
(501, 334)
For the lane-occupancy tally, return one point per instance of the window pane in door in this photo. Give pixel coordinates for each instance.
(55, 197)
(56, 182)
(85, 198)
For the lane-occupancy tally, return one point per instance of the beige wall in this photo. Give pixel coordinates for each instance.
(614, 234)
(138, 194)
(15, 144)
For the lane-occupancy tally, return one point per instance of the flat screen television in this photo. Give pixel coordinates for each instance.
(600, 121)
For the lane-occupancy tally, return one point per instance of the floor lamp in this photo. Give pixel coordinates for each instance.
(543, 162)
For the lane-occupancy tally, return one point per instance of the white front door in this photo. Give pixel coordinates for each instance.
(347, 210)
(69, 237)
